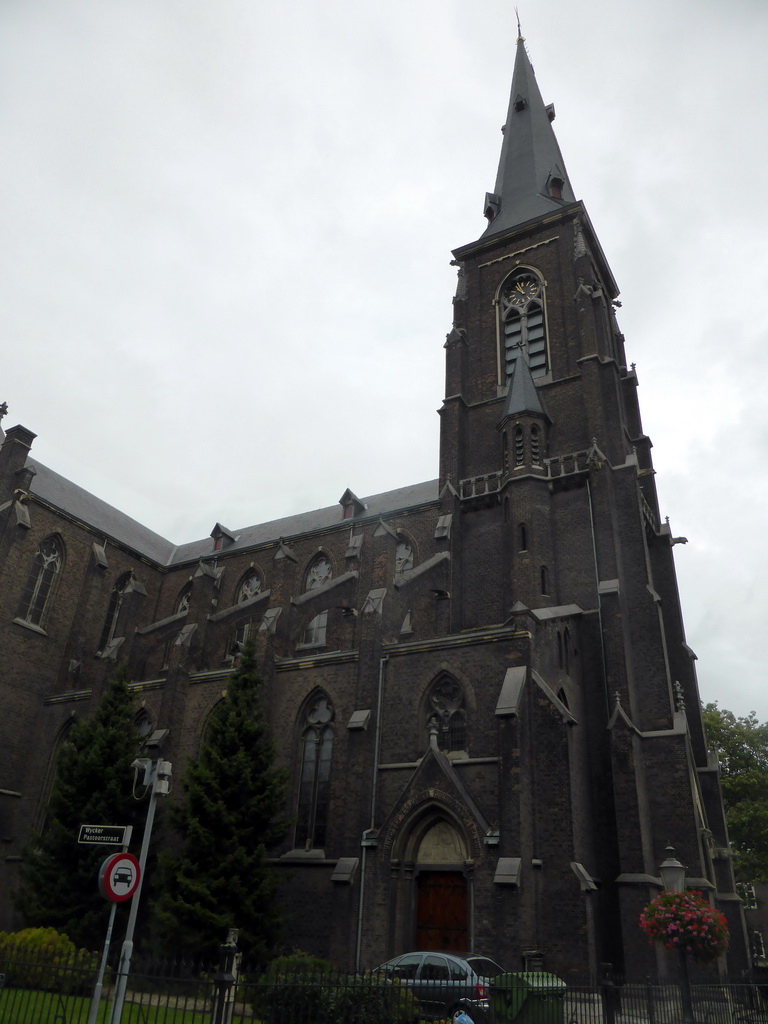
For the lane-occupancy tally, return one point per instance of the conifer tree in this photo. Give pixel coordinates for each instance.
(231, 814)
(93, 786)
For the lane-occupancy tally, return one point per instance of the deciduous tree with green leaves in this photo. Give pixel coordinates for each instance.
(92, 786)
(742, 746)
(232, 812)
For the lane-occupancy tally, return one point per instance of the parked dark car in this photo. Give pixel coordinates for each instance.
(446, 982)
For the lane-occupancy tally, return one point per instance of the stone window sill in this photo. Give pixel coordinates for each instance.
(31, 626)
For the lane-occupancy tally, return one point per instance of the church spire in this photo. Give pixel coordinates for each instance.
(532, 180)
(523, 395)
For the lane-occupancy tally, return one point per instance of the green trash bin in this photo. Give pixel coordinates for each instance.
(527, 997)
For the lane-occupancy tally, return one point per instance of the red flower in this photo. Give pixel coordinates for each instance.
(687, 916)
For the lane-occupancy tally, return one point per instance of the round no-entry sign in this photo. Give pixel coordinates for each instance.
(119, 877)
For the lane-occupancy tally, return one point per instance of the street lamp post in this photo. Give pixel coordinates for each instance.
(672, 874)
(157, 776)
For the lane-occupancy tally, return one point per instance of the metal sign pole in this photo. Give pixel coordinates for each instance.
(96, 998)
(157, 774)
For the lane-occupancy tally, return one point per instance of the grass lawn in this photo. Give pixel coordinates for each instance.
(23, 1006)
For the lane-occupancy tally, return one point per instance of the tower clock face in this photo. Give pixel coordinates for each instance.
(522, 289)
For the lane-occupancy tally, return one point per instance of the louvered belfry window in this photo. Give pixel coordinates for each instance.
(521, 307)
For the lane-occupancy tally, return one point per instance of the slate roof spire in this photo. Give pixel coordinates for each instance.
(532, 180)
(523, 395)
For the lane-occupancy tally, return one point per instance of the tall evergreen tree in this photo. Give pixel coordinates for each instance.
(92, 786)
(231, 814)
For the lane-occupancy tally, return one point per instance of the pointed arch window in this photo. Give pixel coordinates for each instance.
(315, 780)
(523, 323)
(403, 557)
(250, 586)
(183, 600)
(113, 611)
(447, 714)
(46, 566)
(320, 572)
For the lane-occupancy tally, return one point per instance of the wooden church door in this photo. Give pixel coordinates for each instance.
(441, 911)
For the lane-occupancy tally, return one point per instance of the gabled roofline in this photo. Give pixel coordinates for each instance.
(104, 522)
(487, 245)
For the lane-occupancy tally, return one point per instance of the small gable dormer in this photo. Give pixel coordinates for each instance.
(222, 538)
(351, 505)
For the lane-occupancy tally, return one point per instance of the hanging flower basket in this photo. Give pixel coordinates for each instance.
(685, 921)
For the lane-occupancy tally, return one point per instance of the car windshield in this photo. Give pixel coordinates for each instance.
(484, 967)
(404, 967)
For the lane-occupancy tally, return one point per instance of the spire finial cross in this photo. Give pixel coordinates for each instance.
(519, 30)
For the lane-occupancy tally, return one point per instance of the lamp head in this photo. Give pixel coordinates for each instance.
(672, 872)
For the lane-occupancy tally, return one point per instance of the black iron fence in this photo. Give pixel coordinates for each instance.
(650, 1002)
(58, 990)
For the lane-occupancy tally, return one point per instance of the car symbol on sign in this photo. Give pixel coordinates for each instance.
(123, 876)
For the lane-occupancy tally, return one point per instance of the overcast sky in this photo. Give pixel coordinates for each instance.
(226, 232)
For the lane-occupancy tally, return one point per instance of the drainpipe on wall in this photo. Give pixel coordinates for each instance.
(368, 837)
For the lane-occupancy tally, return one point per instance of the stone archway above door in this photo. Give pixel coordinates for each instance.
(442, 844)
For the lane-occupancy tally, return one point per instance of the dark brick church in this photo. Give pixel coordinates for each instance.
(479, 684)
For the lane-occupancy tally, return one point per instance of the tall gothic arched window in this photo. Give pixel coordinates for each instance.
(113, 611)
(319, 572)
(523, 323)
(447, 714)
(315, 780)
(46, 565)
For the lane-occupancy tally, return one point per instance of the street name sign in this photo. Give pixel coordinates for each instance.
(116, 835)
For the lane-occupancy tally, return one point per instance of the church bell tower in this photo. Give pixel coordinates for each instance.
(543, 447)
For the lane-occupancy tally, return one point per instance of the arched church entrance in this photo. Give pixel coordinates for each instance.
(442, 895)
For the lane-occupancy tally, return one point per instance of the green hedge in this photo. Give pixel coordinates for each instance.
(303, 989)
(41, 958)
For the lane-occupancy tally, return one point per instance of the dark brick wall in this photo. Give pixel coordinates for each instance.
(594, 765)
